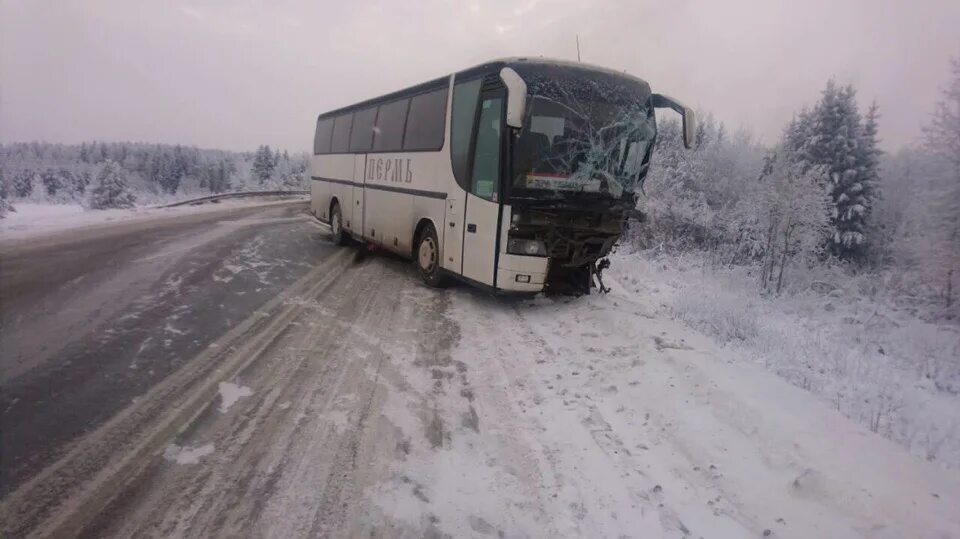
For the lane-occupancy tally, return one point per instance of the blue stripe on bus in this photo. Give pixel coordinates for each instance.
(389, 188)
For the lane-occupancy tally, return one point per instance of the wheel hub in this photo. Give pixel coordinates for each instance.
(427, 254)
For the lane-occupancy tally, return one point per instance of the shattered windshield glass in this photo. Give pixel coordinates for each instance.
(583, 132)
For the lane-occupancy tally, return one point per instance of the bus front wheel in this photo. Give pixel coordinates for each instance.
(428, 257)
(336, 226)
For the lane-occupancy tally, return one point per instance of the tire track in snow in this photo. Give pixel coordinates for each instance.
(73, 490)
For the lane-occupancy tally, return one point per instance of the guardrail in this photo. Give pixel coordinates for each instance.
(225, 196)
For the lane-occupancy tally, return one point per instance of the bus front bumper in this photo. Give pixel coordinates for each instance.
(518, 273)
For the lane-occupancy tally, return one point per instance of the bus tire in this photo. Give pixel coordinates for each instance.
(336, 226)
(428, 257)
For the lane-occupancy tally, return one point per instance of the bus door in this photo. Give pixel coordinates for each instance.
(483, 205)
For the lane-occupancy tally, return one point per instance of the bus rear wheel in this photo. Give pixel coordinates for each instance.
(336, 226)
(428, 257)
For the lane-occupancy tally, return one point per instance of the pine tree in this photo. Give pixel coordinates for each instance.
(832, 135)
(942, 139)
(263, 164)
(23, 183)
(220, 181)
(164, 173)
(51, 181)
(78, 182)
(112, 190)
(870, 154)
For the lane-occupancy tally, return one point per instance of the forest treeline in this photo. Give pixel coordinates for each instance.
(824, 194)
(103, 175)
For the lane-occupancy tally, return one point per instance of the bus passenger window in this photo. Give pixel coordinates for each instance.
(486, 157)
(321, 141)
(388, 134)
(361, 136)
(425, 123)
(341, 134)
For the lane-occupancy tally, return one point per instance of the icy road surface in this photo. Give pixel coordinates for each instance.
(353, 401)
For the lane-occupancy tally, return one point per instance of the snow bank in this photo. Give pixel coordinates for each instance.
(874, 361)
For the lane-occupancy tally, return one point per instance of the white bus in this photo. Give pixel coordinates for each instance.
(516, 175)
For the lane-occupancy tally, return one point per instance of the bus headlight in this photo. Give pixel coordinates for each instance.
(518, 246)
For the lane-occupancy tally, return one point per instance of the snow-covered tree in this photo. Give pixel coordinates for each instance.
(833, 135)
(892, 211)
(52, 182)
(697, 199)
(62, 173)
(168, 169)
(793, 213)
(23, 183)
(870, 154)
(216, 176)
(79, 181)
(5, 206)
(289, 173)
(112, 190)
(942, 140)
(263, 164)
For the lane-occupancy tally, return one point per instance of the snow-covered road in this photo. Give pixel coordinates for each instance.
(357, 402)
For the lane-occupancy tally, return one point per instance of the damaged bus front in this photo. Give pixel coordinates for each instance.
(580, 143)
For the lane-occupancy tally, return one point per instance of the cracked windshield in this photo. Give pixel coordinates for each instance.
(584, 134)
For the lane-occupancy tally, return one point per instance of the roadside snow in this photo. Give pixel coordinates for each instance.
(32, 220)
(875, 362)
(601, 417)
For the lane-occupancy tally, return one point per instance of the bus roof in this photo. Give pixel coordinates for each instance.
(521, 64)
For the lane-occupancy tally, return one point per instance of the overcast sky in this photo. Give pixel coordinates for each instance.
(238, 73)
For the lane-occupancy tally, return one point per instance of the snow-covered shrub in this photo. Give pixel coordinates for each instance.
(112, 190)
(852, 341)
(718, 312)
(792, 214)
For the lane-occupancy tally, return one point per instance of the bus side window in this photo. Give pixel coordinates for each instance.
(486, 157)
(341, 133)
(321, 141)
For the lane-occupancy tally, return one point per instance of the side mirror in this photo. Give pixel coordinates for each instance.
(689, 119)
(516, 96)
